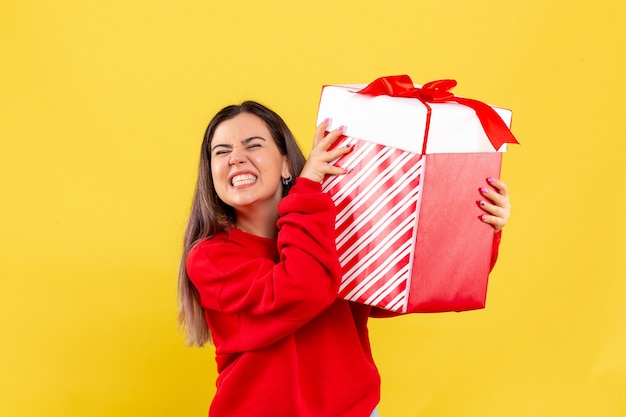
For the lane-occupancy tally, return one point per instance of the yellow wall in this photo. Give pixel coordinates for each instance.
(103, 106)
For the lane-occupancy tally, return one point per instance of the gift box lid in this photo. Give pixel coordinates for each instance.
(401, 121)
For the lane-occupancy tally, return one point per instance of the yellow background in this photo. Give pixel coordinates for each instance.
(103, 107)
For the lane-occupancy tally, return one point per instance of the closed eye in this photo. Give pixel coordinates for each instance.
(249, 143)
(219, 150)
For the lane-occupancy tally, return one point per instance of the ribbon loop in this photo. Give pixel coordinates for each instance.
(439, 91)
(393, 85)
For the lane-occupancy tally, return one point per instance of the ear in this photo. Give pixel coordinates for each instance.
(285, 173)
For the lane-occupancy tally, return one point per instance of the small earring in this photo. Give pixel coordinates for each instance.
(287, 181)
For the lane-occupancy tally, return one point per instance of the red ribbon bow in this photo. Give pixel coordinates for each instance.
(439, 91)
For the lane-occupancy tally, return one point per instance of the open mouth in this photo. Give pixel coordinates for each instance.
(243, 179)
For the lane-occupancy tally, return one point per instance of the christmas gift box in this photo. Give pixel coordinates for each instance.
(407, 229)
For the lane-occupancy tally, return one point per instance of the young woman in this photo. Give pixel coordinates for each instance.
(259, 274)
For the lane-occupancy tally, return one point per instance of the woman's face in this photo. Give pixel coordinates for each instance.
(246, 165)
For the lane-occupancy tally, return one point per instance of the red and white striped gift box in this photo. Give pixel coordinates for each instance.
(407, 232)
(377, 212)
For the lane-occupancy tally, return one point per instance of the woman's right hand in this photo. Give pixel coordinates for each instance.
(317, 165)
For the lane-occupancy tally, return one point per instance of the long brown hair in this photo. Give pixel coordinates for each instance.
(210, 215)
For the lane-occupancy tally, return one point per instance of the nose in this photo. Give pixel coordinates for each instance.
(236, 158)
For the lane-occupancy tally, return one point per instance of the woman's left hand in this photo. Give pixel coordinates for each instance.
(496, 204)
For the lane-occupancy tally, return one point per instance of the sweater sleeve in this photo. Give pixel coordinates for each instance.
(495, 246)
(283, 295)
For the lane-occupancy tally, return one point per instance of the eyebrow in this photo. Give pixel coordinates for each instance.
(243, 142)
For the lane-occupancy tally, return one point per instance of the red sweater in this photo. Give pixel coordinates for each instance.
(285, 344)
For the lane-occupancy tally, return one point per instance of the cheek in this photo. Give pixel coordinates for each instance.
(218, 173)
(216, 165)
(271, 165)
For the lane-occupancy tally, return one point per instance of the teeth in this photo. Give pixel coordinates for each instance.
(243, 180)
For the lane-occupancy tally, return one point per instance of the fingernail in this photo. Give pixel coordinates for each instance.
(346, 169)
(484, 190)
(340, 128)
(481, 203)
(483, 217)
(326, 120)
(491, 180)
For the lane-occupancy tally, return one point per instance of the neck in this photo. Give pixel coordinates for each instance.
(259, 224)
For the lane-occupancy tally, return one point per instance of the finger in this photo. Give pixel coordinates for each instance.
(321, 129)
(335, 170)
(338, 152)
(495, 211)
(496, 222)
(495, 197)
(495, 215)
(330, 138)
(319, 171)
(499, 185)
